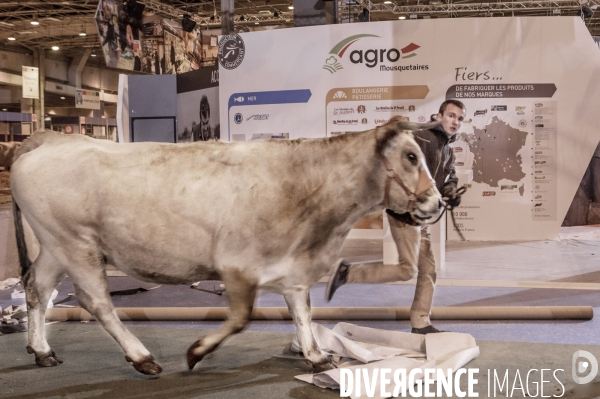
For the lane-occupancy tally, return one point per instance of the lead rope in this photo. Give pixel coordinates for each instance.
(460, 191)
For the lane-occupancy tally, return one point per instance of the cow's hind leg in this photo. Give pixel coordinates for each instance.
(299, 305)
(241, 292)
(92, 292)
(39, 281)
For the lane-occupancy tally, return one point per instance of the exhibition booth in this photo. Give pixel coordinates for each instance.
(526, 140)
(525, 143)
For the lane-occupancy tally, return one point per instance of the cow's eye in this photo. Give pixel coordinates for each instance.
(412, 157)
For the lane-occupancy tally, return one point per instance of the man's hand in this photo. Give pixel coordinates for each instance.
(454, 202)
(452, 196)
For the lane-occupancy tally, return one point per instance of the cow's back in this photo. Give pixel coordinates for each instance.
(153, 206)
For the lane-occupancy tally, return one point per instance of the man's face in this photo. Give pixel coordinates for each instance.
(452, 119)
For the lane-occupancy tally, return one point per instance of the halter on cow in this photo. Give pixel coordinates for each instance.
(283, 210)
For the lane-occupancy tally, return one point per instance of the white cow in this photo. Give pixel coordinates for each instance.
(267, 215)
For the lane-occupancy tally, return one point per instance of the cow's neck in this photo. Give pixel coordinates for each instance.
(350, 184)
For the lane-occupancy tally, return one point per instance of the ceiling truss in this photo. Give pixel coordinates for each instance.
(61, 21)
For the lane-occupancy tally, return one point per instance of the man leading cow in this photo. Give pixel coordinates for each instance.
(413, 240)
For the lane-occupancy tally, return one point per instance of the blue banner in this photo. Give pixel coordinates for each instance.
(270, 97)
(266, 97)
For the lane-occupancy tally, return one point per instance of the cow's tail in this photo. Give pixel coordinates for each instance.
(21, 245)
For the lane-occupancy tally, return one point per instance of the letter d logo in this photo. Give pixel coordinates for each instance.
(581, 366)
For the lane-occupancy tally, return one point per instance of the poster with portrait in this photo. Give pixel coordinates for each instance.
(118, 32)
(184, 49)
(173, 52)
(148, 43)
(198, 106)
(152, 56)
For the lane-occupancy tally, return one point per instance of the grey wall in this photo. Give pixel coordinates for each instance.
(153, 107)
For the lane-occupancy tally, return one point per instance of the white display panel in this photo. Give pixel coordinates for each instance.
(324, 80)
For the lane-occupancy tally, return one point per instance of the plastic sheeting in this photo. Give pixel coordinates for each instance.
(354, 347)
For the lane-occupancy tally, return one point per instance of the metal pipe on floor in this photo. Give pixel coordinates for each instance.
(338, 313)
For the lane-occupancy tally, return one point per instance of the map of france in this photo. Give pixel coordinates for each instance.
(495, 152)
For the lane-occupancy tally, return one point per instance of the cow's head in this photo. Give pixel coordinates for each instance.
(409, 186)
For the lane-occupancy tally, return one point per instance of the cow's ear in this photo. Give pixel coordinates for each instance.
(387, 138)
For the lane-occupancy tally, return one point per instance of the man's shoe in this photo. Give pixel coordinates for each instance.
(426, 330)
(337, 279)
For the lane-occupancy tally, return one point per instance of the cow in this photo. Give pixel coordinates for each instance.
(273, 215)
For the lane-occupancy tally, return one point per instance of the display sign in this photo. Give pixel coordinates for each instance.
(132, 39)
(31, 82)
(529, 85)
(87, 99)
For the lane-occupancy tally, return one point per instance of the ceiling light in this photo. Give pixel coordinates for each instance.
(364, 15)
(585, 12)
(256, 23)
(402, 17)
(387, 2)
(291, 7)
(82, 33)
(62, 98)
(187, 23)
(135, 9)
(4, 109)
(93, 54)
(54, 48)
(11, 38)
(34, 22)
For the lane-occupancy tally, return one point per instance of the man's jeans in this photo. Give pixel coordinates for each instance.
(414, 254)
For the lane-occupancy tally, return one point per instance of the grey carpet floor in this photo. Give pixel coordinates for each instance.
(364, 295)
(246, 366)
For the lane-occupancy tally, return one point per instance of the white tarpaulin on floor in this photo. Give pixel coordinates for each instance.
(354, 347)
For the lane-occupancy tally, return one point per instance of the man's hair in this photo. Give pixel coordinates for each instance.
(457, 103)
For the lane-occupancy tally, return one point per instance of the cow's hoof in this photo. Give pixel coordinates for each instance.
(192, 357)
(147, 366)
(320, 367)
(49, 360)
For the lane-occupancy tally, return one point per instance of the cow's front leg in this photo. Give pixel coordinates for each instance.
(92, 293)
(241, 293)
(299, 306)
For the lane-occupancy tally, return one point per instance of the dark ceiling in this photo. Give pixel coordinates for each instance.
(62, 21)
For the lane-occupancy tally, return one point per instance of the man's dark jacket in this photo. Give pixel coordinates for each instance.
(440, 161)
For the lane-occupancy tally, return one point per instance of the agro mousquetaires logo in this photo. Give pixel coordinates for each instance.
(371, 57)
(231, 51)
